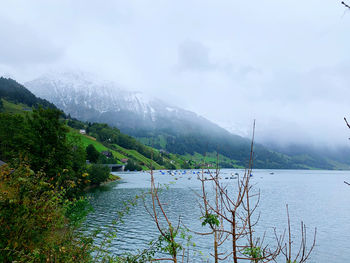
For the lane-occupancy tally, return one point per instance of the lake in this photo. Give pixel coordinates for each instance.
(318, 198)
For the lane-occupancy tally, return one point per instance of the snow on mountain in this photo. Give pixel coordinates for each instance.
(87, 97)
(71, 90)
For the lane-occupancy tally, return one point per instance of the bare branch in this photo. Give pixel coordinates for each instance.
(346, 5)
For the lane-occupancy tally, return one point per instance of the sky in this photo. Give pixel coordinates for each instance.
(284, 63)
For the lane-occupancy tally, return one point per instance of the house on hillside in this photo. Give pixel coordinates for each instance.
(82, 131)
(2, 163)
(108, 154)
(125, 160)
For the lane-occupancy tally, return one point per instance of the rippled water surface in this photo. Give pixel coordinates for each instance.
(319, 198)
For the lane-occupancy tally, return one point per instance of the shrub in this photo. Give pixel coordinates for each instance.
(32, 220)
(92, 154)
(98, 173)
(132, 166)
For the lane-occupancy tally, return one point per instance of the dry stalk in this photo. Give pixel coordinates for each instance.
(303, 253)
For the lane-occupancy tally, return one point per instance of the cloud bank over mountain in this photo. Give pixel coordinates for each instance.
(284, 63)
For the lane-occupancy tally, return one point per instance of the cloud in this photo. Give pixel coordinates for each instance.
(283, 63)
(193, 55)
(21, 46)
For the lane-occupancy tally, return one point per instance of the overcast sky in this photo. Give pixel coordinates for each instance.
(284, 63)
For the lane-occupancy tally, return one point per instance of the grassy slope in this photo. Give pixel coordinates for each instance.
(86, 140)
(138, 156)
(14, 108)
(118, 151)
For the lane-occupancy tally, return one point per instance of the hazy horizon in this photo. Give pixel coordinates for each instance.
(285, 64)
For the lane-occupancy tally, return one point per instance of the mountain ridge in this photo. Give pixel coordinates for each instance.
(155, 122)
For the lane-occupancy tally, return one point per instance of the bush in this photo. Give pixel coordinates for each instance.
(98, 173)
(32, 220)
(92, 154)
(132, 166)
(41, 138)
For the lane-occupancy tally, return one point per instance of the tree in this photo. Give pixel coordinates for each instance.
(48, 148)
(92, 154)
(41, 139)
(98, 173)
(13, 132)
(132, 166)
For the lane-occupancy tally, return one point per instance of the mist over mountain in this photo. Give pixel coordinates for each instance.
(152, 121)
(88, 98)
(157, 123)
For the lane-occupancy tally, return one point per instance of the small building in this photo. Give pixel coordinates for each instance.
(108, 154)
(82, 131)
(125, 160)
(2, 163)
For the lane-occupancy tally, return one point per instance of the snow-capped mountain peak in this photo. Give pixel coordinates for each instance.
(69, 90)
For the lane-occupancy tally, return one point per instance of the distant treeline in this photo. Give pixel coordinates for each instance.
(17, 93)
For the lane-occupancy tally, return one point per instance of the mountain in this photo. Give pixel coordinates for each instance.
(16, 99)
(153, 121)
(88, 98)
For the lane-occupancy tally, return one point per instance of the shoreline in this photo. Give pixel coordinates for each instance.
(111, 178)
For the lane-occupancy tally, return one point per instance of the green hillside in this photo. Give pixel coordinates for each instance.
(175, 152)
(14, 108)
(105, 138)
(212, 159)
(118, 151)
(16, 99)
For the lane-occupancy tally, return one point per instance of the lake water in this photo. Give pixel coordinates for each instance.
(319, 198)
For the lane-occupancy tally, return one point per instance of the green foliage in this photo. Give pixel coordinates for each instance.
(41, 138)
(48, 148)
(210, 219)
(12, 136)
(92, 154)
(170, 166)
(109, 136)
(77, 210)
(253, 252)
(33, 222)
(132, 166)
(15, 92)
(105, 160)
(98, 173)
(74, 123)
(167, 242)
(185, 165)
